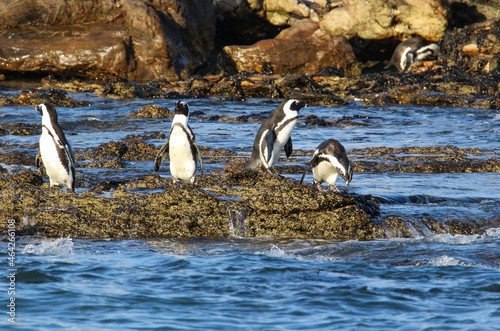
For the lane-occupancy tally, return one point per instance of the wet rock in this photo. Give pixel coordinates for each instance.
(22, 129)
(152, 111)
(396, 227)
(272, 207)
(18, 156)
(110, 151)
(56, 97)
(474, 47)
(21, 180)
(124, 89)
(437, 159)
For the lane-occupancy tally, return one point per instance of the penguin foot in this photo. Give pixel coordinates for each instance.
(334, 188)
(321, 189)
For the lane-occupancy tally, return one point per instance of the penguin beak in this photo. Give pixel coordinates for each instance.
(38, 109)
(302, 104)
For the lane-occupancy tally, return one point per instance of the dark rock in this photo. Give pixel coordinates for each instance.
(56, 97)
(474, 47)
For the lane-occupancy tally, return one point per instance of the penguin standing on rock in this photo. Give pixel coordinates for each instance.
(410, 51)
(181, 147)
(55, 152)
(329, 160)
(273, 135)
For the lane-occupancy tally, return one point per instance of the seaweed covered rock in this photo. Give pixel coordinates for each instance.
(257, 205)
(32, 97)
(151, 111)
(474, 47)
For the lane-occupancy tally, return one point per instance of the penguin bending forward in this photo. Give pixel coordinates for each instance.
(329, 160)
(55, 152)
(410, 51)
(273, 135)
(181, 147)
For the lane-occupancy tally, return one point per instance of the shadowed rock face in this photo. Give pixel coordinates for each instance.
(102, 39)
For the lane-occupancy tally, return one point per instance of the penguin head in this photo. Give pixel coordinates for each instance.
(48, 112)
(345, 171)
(292, 106)
(181, 108)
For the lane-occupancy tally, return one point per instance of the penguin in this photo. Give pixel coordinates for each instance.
(410, 51)
(273, 135)
(55, 152)
(181, 147)
(329, 160)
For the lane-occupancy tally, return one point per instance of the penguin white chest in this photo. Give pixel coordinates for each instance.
(325, 172)
(58, 172)
(182, 160)
(283, 133)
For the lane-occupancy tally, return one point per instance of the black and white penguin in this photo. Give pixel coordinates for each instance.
(329, 160)
(181, 147)
(273, 135)
(410, 51)
(55, 152)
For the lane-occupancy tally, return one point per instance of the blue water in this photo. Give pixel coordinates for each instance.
(430, 282)
(440, 282)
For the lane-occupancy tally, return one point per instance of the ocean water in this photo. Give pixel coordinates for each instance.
(440, 282)
(430, 282)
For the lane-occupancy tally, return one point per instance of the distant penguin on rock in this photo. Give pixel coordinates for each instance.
(329, 160)
(181, 147)
(55, 152)
(273, 135)
(410, 51)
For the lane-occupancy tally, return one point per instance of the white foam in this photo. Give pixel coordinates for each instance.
(59, 246)
(446, 261)
(276, 251)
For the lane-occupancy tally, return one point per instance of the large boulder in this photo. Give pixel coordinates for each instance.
(372, 19)
(302, 48)
(381, 19)
(136, 39)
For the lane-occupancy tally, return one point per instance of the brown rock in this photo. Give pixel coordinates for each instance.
(303, 48)
(102, 39)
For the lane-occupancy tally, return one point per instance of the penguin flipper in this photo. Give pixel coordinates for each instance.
(270, 139)
(308, 167)
(38, 160)
(288, 147)
(198, 156)
(161, 153)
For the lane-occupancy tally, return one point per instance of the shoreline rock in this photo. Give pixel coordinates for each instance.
(176, 39)
(225, 202)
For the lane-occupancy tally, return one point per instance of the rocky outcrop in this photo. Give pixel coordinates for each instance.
(474, 47)
(106, 39)
(140, 40)
(374, 19)
(226, 202)
(380, 19)
(303, 48)
(267, 206)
